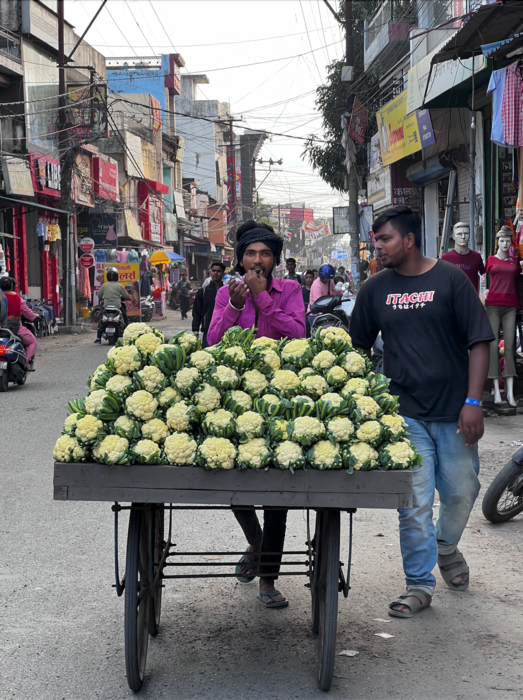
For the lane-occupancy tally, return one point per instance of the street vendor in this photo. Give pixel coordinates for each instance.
(275, 306)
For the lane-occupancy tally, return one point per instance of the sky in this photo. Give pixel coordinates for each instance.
(289, 44)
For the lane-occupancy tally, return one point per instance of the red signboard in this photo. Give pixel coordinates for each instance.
(87, 260)
(358, 122)
(105, 178)
(150, 213)
(86, 245)
(46, 174)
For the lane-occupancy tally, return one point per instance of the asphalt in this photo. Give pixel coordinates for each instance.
(61, 623)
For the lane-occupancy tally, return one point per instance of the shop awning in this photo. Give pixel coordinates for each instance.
(504, 49)
(35, 205)
(489, 24)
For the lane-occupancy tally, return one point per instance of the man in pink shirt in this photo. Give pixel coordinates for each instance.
(321, 287)
(275, 307)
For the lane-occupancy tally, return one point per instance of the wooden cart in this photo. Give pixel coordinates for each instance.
(151, 553)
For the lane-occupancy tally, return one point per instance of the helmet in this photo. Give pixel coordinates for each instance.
(326, 272)
(112, 274)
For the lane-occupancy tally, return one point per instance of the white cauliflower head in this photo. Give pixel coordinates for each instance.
(141, 405)
(88, 429)
(111, 450)
(295, 350)
(367, 407)
(264, 342)
(135, 330)
(151, 378)
(94, 401)
(394, 424)
(219, 423)
(363, 456)
(370, 432)
(355, 363)
(325, 455)
(186, 379)
(179, 417)
(356, 386)
(242, 399)
(148, 343)
(180, 448)
(147, 452)
(249, 425)
(254, 382)
(314, 385)
(70, 423)
(217, 453)
(323, 360)
(334, 399)
(201, 360)
(155, 430)
(119, 383)
(127, 360)
(253, 453)
(336, 376)
(207, 399)
(306, 430)
(168, 396)
(288, 454)
(67, 449)
(285, 381)
(341, 428)
(400, 454)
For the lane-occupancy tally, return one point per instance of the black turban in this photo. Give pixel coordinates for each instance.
(258, 235)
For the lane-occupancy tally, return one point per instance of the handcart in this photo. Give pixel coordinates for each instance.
(151, 554)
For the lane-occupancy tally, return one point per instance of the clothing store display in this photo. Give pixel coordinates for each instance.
(132, 256)
(101, 256)
(113, 255)
(123, 256)
(471, 263)
(504, 317)
(512, 107)
(503, 278)
(497, 87)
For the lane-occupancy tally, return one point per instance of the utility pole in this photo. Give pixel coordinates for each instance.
(232, 174)
(352, 177)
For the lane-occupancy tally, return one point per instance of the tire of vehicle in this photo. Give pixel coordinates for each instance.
(96, 314)
(111, 339)
(147, 315)
(158, 546)
(138, 603)
(328, 588)
(316, 559)
(499, 503)
(4, 381)
(22, 381)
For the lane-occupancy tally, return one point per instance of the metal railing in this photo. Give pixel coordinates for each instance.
(10, 44)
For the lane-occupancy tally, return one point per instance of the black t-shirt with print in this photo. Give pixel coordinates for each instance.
(428, 324)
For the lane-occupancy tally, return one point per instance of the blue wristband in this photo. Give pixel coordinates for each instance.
(473, 402)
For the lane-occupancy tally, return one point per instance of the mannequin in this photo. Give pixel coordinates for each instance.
(501, 304)
(468, 260)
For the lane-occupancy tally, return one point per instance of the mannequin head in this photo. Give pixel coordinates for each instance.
(461, 235)
(504, 239)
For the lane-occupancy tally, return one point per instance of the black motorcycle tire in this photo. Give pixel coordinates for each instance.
(147, 315)
(491, 501)
(96, 314)
(4, 381)
(22, 381)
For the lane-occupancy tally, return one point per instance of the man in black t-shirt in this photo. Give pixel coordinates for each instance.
(436, 338)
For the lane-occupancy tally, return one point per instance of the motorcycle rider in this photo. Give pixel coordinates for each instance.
(112, 293)
(16, 308)
(321, 287)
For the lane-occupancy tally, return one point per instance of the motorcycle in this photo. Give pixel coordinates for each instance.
(330, 314)
(504, 497)
(147, 308)
(13, 361)
(112, 324)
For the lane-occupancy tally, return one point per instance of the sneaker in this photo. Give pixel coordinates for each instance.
(98, 341)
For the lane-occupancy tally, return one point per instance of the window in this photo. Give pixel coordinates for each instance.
(41, 93)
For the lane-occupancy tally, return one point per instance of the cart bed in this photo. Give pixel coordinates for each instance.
(193, 485)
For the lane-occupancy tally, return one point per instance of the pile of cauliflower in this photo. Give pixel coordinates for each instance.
(245, 403)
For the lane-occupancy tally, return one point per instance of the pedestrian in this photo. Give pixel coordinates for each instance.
(291, 273)
(275, 306)
(436, 338)
(306, 291)
(341, 271)
(321, 287)
(184, 286)
(315, 273)
(203, 307)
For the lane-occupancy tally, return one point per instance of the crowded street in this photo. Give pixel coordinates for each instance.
(62, 623)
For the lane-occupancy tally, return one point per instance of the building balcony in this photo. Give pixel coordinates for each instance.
(10, 53)
(387, 35)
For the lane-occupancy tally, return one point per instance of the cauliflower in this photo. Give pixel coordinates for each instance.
(219, 423)
(235, 353)
(67, 449)
(216, 453)
(254, 382)
(141, 405)
(270, 405)
(168, 358)
(386, 402)
(379, 384)
(285, 383)
(336, 376)
(155, 430)
(207, 398)
(179, 417)
(271, 359)
(188, 341)
(150, 378)
(253, 454)
(180, 448)
(323, 360)
(305, 430)
(146, 452)
(355, 363)
(127, 428)
(119, 384)
(301, 405)
(395, 426)
(112, 450)
(102, 405)
(330, 405)
(306, 372)
(94, 401)
(340, 429)
(325, 455)
(334, 339)
(112, 351)
(297, 352)
(237, 402)
(277, 429)
(168, 396)
(362, 456)
(264, 342)
(224, 377)
(249, 425)
(399, 455)
(135, 330)
(70, 424)
(89, 430)
(127, 360)
(365, 408)
(334, 399)
(201, 360)
(356, 386)
(148, 343)
(314, 385)
(186, 380)
(99, 379)
(288, 455)
(370, 431)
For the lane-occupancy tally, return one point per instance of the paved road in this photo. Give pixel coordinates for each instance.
(61, 624)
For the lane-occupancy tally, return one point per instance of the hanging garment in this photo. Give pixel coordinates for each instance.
(101, 256)
(132, 257)
(497, 87)
(123, 256)
(512, 107)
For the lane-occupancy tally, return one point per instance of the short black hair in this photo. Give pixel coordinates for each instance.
(291, 260)
(7, 284)
(218, 263)
(403, 219)
(338, 278)
(309, 272)
(341, 268)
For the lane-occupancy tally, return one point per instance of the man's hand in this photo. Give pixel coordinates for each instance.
(256, 282)
(470, 423)
(238, 292)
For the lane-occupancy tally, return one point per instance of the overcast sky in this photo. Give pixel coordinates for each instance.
(214, 36)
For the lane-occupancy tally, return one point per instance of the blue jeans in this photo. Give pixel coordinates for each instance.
(451, 468)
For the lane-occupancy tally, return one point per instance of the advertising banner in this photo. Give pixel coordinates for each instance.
(17, 176)
(129, 277)
(313, 232)
(358, 122)
(99, 226)
(105, 178)
(400, 133)
(82, 181)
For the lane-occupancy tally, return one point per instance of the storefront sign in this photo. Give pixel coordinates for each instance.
(105, 178)
(86, 244)
(358, 122)
(150, 213)
(339, 255)
(379, 190)
(99, 227)
(17, 176)
(87, 260)
(340, 220)
(128, 277)
(400, 133)
(82, 180)
(46, 174)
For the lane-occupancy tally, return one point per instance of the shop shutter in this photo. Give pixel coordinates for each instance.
(463, 192)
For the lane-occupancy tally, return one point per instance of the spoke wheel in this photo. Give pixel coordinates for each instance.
(327, 594)
(316, 554)
(4, 381)
(158, 546)
(138, 601)
(504, 497)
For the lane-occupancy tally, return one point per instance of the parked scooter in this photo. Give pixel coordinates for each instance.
(147, 308)
(112, 324)
(13, 360)
(504, 497)
(330, 314)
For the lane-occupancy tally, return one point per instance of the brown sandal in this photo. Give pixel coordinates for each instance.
(415, 608)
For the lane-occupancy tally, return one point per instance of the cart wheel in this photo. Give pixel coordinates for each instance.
(316, 551)
(158, 545)
(138, 602)
(327, 595)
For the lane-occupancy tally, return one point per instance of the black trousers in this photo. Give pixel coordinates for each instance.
(185, 305)
(272, 537)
